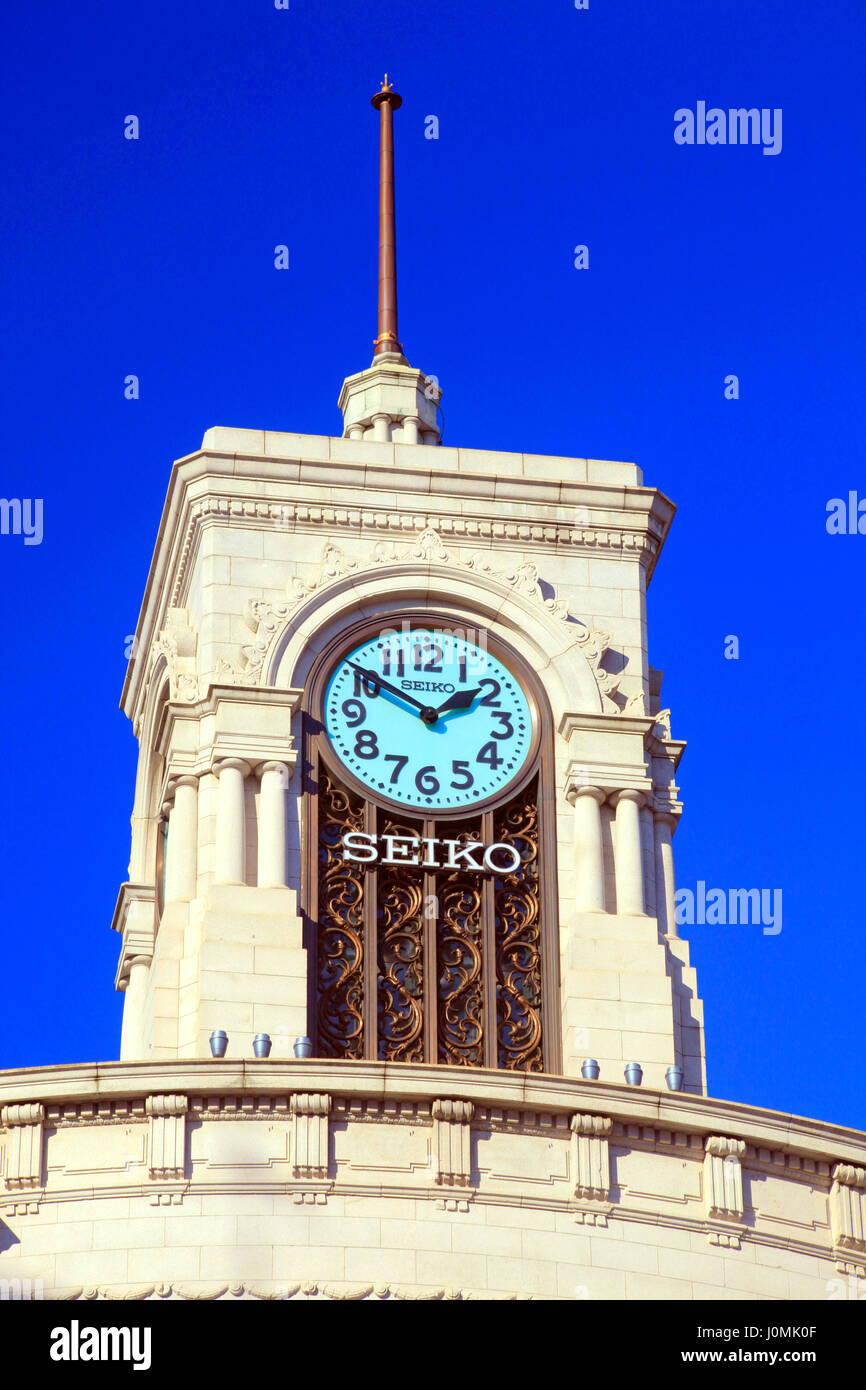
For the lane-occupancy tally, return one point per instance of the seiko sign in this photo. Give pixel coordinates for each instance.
(429, 853)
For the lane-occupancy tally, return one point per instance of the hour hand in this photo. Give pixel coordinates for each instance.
(371, 676)
(461, 699)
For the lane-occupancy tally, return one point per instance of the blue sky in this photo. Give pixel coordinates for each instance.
(155, 257)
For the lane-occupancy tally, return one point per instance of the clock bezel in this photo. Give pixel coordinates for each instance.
(354, 636)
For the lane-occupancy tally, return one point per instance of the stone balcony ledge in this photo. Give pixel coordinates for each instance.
(677, 1112)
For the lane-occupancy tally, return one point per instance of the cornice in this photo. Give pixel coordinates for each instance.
(214, 487)
(769, 1130)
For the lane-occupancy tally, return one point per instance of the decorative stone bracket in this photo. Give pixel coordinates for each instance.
(177, 642)
(452, 1157)
(166, 1140)
(310, 1135)
(848, 1208)
(590, 1157)
(24, 1150)
(723, 1186)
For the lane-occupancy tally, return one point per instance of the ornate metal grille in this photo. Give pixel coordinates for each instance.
(460, 961)
(421, 964)
(341, 927)
(518, 942)
(400, 957)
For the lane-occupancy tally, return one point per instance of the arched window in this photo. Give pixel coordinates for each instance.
(431, 926)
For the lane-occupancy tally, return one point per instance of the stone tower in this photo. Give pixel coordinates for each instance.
(272, 546)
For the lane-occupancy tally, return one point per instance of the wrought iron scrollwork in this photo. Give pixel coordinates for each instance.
(460, 963)
(400, 945)
(341, 926)
(429, 926)
(518, 940)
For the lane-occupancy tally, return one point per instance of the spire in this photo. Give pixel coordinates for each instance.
(387, 102)
(390, 402)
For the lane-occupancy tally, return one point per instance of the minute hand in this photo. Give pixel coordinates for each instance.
(392, 690)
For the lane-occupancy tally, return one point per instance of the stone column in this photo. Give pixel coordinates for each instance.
(180, 869)
(411, 426)
(132, 1027)
(356, 432)
(589, 848)
(665, 883)
(629, 860)
(272, 826)
(231, 821)
(381, 428)
(429, 437)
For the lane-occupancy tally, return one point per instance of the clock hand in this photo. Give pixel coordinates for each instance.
(461, 699)
(426, 713)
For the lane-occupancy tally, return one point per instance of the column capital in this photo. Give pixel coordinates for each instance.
(273, 766)
(187, 780)
(238, 764)
(134, 920)
(581, 789)
(628, 794)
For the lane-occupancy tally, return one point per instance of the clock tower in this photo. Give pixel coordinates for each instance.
(406, 787)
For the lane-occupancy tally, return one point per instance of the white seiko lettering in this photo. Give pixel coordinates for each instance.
(457, 852)
(429, 861)
(396, 849)
(501, 868)
(359, 847)
(362, 848)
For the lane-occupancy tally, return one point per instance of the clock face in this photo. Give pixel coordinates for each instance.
(428, 719)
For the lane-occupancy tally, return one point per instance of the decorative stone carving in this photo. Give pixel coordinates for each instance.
(590, 1156)
(24, 1152)
(594, 644)
(243, 512)
(662, 726)
(265, 618)
(310, 1135)
(177, 642)
(848, 1207)
(166, 1139)
(452, 1159)
(723, 1177)
(280, 1292)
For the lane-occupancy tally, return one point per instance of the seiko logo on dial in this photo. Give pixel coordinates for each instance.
(439, 686)
(429, 853)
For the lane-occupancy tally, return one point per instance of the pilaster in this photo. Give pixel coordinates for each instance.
(627, 990)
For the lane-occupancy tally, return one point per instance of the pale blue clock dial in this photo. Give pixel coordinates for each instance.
(428, 719)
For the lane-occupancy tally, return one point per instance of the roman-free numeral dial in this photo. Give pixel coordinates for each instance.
(428, 719)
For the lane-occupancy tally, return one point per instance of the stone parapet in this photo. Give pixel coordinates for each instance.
(189, 1178)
